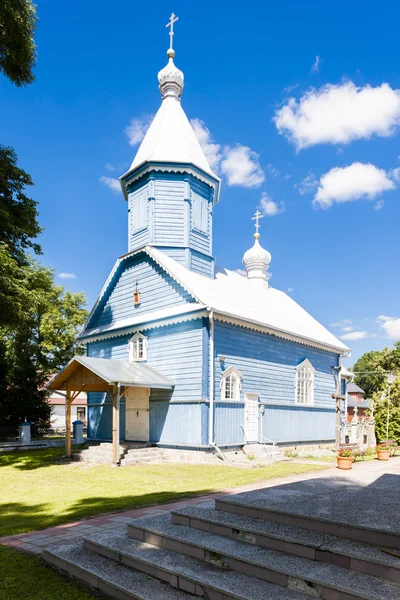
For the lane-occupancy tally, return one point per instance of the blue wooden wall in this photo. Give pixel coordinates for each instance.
(178, 423)
(170, 214)
(99, 422)
(158, 290)
(298, 424)
(268, 364)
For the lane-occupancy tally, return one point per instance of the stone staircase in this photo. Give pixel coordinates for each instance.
(130, 453)
(235, 550)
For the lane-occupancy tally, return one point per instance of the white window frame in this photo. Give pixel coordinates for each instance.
(304, 384)
(138, 345)
(231, 375)
(139, 210)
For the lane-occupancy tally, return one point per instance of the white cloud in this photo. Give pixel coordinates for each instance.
(66, 275)
(316, 65)
(289, 290)
(110, 167)
(274, 171)
(342, 323)
(395, 174)
(308, 184)
(351, 183)
(210, 148)
(355, 335)
(241, 272)
(241, 167)
(347, 329)
(391, 326)
(137, 129)
(240, 164)
(380, 204)
(111, 183)
(339, 114)
(269, 207)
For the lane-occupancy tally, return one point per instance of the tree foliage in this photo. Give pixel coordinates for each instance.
(39, 320)
(372, 369)
(40, 343)
(17, 44)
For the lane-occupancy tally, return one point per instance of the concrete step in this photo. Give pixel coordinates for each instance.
(125, 462)
(350, 554)
(255, 505)
(104, 575)
(186, 572)
(318, 580)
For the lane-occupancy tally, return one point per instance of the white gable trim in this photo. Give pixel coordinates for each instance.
(276, 332)
(306, 363)
(121, 259)
(231, 370)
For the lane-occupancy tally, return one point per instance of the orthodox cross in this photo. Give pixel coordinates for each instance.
(173, 19)
(256, 218)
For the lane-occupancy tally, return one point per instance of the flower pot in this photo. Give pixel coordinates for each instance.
(383, 454)
(344, 462)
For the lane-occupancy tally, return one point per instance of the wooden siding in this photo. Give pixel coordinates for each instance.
(176, 423)
(158, 290)
(200, 263)
(178, 254)
(99, 419)
(228, 417)
(268, 365)
(176, 351)
(169, 211)
(138, 218)
(298, 424)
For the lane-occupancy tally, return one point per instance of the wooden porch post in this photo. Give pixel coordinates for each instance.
(68, 424)
(115, 423)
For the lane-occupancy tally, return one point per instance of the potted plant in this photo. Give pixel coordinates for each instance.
(345, 459)
(383, 451)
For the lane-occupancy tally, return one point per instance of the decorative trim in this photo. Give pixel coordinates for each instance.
(186, 169)
(280, 334)
(145, 327)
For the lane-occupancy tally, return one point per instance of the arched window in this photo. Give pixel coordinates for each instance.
(138, 347)
(305, 383)
(231, 384)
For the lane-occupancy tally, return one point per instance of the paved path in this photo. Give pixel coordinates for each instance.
(36, 541)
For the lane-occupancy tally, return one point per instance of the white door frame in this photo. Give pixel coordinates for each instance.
(137, 399)
(251, 413)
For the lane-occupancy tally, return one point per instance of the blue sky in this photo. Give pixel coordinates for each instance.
(327, 162)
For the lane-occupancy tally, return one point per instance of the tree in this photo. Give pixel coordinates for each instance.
(373, 368)
(18, 213)
(17, 44)
(41, 342)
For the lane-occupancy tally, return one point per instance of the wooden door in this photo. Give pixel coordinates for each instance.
(251, 411)
(137, 414)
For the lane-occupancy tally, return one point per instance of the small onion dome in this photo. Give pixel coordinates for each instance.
(170, 78)
(256, 260)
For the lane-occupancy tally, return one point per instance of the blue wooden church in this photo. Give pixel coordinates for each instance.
(181, 352)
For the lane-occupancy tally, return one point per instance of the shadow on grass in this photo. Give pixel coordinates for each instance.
(28, 460)
(18, 518)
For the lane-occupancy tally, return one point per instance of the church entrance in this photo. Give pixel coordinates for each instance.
(137, 414)
(251, 411)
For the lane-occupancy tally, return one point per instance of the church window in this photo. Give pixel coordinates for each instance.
(138, 348)
(305, 383)
(200, 213)
(231, 384)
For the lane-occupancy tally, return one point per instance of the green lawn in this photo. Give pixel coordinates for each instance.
(26, 577)
(38, 489)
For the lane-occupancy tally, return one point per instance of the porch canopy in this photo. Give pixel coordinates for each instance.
(88, 374)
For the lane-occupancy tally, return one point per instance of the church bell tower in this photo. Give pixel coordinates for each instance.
(170, 187)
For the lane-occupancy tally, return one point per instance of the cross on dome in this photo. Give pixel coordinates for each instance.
(256, 260)
(173, 19)
(256, 218)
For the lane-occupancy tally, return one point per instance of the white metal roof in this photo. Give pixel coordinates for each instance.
(171, 139)
(115, 371)
(234, 295)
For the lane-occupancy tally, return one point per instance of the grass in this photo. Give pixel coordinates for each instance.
(39, 490)
(26, 577)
